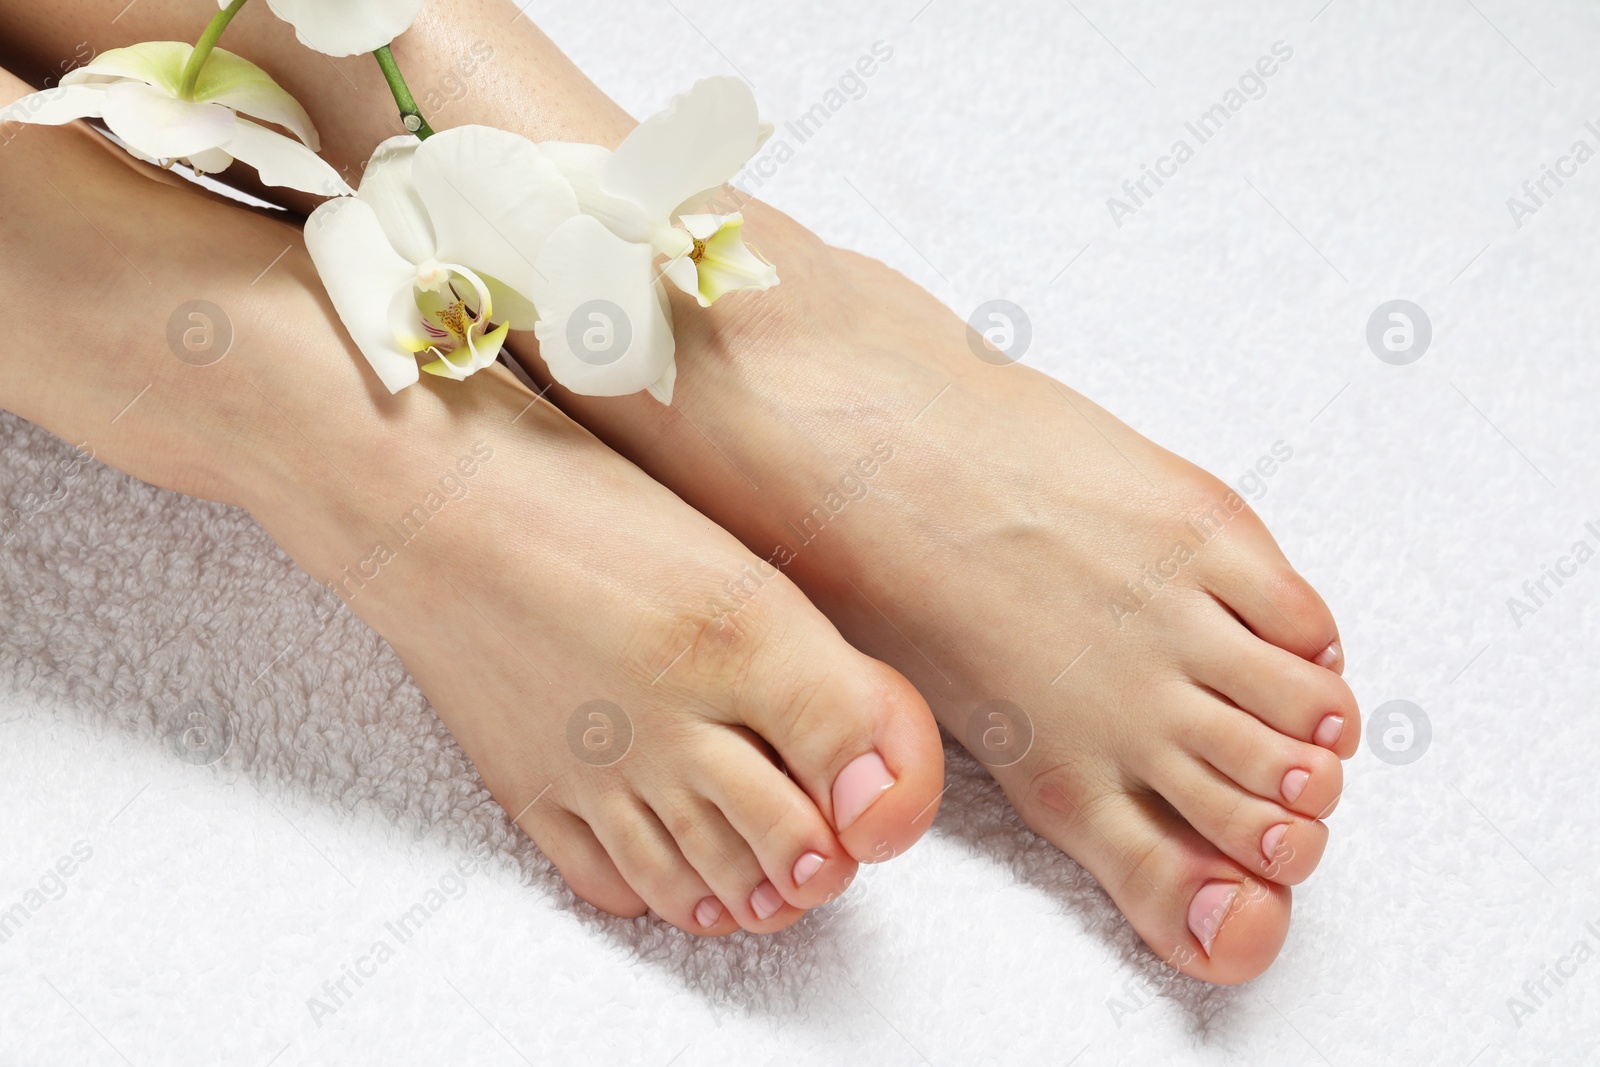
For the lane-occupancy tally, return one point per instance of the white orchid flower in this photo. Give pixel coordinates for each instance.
(436, 252)
(605, 327)
(672, 164)
(345, 27)
(136, 91)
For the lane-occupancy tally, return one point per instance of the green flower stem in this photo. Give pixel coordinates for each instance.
(203, 47)
(410, 115)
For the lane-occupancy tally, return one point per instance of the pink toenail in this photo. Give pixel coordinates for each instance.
(1328, 730)
(766, 901)
(1294, 783)
(1330, 656)
(1207, 910)
(858, 786)
(708, 912)
(807, 865)
(1272, 838)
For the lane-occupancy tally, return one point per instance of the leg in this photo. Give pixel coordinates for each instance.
(522, 570)
(1187, 757)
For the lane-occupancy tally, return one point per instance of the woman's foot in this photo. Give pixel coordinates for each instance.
(665, 715)
(1107, 627)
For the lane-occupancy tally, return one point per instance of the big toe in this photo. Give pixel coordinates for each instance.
(1276, 603)
(854, 734)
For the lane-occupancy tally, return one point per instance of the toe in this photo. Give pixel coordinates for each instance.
(797, 850)
(722, 857)
(1306, 779)
(569, 843)
(1279, 606)
(858, 739)
(648, 857)
(1279, 688)
(1259, 835)
(1201, 913)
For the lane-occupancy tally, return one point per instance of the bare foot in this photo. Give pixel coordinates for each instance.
(1107, 627)
(670, 738)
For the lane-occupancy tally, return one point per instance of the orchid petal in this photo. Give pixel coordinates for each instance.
(346, 27)
(511, 306)
(158, 63)
(704, 227)
(238, 83)
(592, 284)
(284, 161)
(162, 126)
(407, 310)
(54, 107)
(362, 272)
(211, 161)
(662, 389)
(699, 142)
(388, 186)
(727, 264)
(683, 273)
(494, 199)
(482, 354)
(581, 165)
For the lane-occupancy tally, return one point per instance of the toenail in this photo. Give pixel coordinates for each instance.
(1207, 910)
(1294, 783)
(1272, 839)
(766, 901)
(857, 787)
(1328, 730)
(1330, 656)
(708, 912)
(807, 865)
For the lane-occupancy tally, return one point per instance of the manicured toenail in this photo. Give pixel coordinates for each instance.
(1207, 910)
(1330, 656)
(807, 865)
(1272, 838)
(766, 901)
(708, 912)
(1328, 730)
(858, 786)
(1294, 783)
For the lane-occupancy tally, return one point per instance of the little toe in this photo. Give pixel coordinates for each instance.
(569, 843)
(646, 854)
(1287, 693)
(797, 850)
(724, 859)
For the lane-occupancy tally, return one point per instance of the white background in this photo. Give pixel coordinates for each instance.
(1227, 315)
